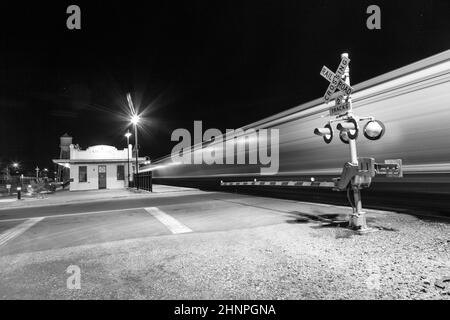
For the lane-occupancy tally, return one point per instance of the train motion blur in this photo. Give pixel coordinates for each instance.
(413, 103)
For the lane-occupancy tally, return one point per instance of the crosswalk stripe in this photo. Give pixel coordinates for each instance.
(171, 223)
(65, 215)
(18, 230)
(7, 200)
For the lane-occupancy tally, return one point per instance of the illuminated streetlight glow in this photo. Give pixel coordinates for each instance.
(128, 134)
(135, 119)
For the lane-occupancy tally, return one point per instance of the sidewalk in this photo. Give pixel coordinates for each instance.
(67, 197)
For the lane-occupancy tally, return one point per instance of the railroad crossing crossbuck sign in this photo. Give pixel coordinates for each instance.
(337, 83)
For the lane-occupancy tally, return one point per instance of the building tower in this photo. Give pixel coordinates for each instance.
(64, 145)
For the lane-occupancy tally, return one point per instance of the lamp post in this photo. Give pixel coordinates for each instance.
(15, 165)
(37, 172)
(135, 120)
(128, 135)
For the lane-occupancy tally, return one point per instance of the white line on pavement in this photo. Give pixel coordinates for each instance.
(72, 214)
(18, 230)
(171, 223)
(8, 200)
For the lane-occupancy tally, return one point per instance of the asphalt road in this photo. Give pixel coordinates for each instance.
(207, 245)
(105, 205)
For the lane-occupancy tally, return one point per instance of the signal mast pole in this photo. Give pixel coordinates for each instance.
(358, 217)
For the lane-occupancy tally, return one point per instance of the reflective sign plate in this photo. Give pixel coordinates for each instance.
(339, 109)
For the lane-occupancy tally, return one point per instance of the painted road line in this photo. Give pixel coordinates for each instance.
(72, 214)
(7, 200)
(171, 223)
(18, 230)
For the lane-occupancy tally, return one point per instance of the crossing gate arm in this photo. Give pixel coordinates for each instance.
(293, 183)
(358, 175)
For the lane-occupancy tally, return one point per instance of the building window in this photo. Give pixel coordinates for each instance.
(82, 174)
(120, 172)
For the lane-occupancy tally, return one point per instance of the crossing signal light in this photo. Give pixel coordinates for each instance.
(374, 130)
(326, 132)
(348, 129)
(343, 135)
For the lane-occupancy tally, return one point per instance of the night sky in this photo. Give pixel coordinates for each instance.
(227, 63)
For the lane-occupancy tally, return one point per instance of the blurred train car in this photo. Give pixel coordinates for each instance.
(414, 104)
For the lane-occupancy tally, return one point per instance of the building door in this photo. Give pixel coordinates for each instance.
(102, 177)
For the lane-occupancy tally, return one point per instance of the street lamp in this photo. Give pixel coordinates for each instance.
(15, 165)
(128, 135)
(135, 120)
